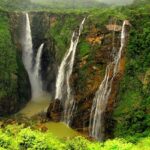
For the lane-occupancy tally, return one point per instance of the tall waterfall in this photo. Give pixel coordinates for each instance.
(102, 95)
(27, 56)
(63, 90)
(27, 46)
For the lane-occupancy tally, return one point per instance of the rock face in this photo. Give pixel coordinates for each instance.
(55, 110)
(103, 40)
(95, 50)
(40, 26)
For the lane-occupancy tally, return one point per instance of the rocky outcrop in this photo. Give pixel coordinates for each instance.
(55, 110)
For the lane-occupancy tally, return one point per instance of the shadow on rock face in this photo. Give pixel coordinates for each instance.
(55, 110)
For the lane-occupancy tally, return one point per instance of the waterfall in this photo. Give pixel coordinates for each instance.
(27, 56)
(37, 82)
(100, 100)
(27, 46)
(37, 67)
(63, 89)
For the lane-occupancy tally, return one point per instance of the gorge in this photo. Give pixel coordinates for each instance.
(65, 106)
(76, 73)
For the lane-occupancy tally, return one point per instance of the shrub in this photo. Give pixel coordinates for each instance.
(19, 138)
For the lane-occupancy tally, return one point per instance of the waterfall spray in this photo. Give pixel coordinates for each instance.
(64, 73)
(27, 56)
(100, 100)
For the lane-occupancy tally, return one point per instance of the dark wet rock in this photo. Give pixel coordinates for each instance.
(55, 110)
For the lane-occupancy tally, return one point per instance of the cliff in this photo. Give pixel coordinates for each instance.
(127, 108)
(14, 83)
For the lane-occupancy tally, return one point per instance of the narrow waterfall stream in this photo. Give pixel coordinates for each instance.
(37, 67)
(27, 55)
(63, 89)
(100, 100)
(36, 72)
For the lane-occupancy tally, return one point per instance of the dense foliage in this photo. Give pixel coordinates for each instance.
(14, 137)
(8, 64)
(132, 111)
(12, 70)
(68, 3)
(13, 4)
(48, 4)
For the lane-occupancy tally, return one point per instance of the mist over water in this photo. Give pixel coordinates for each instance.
(117, 2)
(33, 70)
(91, 2)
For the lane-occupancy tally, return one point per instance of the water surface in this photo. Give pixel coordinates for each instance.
(36, 106)
(61, 130)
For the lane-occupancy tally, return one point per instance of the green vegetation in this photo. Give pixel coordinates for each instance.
(11, 82)
(61, 4)
(14, 137)
(84, 48)
(132, 111)
(15, 4)
(8, 64)
(21, 5)
(131, 114)
(61, 30)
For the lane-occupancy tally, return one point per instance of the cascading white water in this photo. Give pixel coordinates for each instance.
(64, 73)
(100, 100)
(37, 82)
(27, 46)
(27, 56)
(37, 67)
